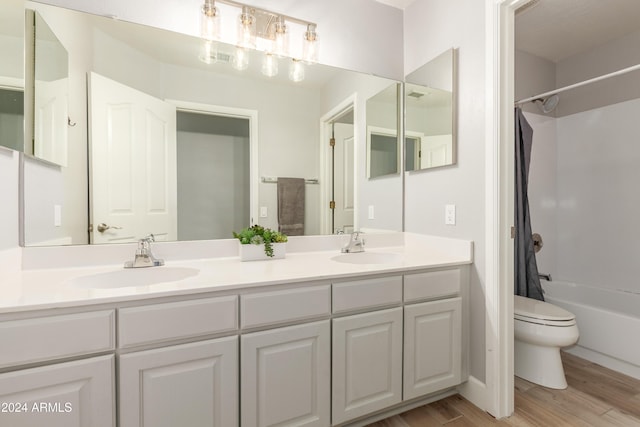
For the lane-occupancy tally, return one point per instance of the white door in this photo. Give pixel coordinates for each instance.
(50, 121)
(432, 346)
(72, 394)
(367, 363)
(285, 376)
(344, 177)
(184, 385)
(133, 163)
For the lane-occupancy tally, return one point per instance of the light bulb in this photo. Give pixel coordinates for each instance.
(247, 29)
(310, 47)
(269, 65)
(296, 71)
(210, 21)
(241, 59)
(281, 40)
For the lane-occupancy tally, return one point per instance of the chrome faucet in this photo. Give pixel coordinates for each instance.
(356, 244)
(144, 257)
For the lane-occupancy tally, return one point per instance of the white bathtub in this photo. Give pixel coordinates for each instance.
(608, 320)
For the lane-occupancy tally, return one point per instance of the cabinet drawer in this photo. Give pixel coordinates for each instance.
(431, 285)
(176, 320)
(268, 308)
(34, 340)
(367, 293)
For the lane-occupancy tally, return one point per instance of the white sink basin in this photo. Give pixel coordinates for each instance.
(368, 258)
(134, 277)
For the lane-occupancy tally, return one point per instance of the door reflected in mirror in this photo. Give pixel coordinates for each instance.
(430, 114)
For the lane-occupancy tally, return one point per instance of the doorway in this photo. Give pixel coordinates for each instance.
(338, 195)
(213, 170)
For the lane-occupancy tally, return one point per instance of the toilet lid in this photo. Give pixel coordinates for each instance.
(533, 310)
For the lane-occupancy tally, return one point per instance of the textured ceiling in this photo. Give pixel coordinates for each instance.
(558, 29)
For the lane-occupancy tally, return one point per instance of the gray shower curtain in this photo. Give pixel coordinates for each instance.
(526, 280)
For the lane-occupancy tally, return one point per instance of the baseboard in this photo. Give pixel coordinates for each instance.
(475, 391)
(606, 361)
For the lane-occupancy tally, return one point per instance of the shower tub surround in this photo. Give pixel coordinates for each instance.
(197, 323)
(608, 320)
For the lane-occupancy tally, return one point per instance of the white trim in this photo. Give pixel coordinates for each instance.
(325, 167)
(500, 42)
(474, 391)
(252, 116)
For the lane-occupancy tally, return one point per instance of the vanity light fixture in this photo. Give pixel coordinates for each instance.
(310, 47)
(270, 65)
(249, 27)
(210, 21)
(296, 71)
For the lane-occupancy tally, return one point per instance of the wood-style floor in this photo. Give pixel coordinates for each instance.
(596, 396)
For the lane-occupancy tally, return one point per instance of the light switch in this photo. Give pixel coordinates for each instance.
(450, 214)
(371, 212)
(263, 211)
(57, 215)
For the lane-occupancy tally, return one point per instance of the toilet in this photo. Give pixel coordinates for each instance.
(540, 331)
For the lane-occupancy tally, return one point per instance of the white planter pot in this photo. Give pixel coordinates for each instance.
(256, 252)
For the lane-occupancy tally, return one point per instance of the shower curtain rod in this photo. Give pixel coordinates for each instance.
(583, 83)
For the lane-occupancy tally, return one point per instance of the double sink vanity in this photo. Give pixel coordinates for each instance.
(319, 338)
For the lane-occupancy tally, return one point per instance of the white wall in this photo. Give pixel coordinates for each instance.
(431, 27)
(533, 76)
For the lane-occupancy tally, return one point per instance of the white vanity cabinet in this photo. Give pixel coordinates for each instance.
(286, 370)
(194, 384)
(367, 347)
(77, 393)
(71, 394)
(432, 332)
(285, 376)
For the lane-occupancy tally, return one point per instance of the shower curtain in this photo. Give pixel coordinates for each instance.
(527, 282)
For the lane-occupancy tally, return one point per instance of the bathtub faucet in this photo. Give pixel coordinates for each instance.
(546, 277)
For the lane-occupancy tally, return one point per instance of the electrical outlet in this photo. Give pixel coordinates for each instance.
(450, 214)
(371, 212)
(263, 211)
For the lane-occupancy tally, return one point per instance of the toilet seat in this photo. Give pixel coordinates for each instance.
(541, 313)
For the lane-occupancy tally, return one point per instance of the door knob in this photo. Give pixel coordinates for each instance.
(102, 227)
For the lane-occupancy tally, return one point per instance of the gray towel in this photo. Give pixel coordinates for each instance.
(291, 206)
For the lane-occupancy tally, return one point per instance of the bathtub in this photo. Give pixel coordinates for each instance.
(608, 320)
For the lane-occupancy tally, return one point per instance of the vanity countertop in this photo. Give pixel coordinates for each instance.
(45, 288)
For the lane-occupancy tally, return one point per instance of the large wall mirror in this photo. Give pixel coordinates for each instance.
(190, 150)
(383, 149)
(430, 114)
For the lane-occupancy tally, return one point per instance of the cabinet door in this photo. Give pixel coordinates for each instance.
(432, 346)
(73, 394)
(367, 363)
(183, 385)
(285, 376)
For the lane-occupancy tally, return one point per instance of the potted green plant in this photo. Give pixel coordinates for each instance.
(258, 242)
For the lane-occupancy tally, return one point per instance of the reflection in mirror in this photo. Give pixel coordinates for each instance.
(12, 74)
(383, 150)
(430, 130)
(190, 173)
(51, 77)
